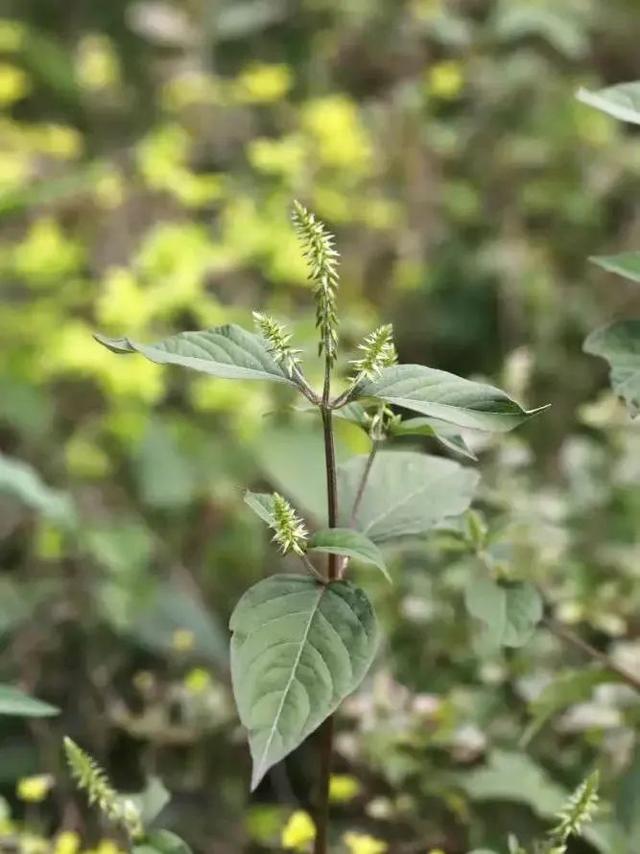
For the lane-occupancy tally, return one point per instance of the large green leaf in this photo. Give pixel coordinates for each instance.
(443, 432)
(20, 481)
(625, 264)
(621, 101)
(619, 344)
(406, 494)
(298, 648)
(347, 541)
(447, 397)
(508, 611)
(15, 702)
(228, 351)
(571, 687)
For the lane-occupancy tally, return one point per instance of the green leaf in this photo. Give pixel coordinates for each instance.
(15, 702)
(511, 776)
(151, 800)
(621, 101)
(298, 649)
(447, 397)
(572, 687)
(161, 842)
(19, 480)
(175, 608)
(262, 505)
(626, 264)
(346, 541)
(509, 611)
(407, 493)
(441, 431)
(619, 344)
(229, 352)
(627, 802)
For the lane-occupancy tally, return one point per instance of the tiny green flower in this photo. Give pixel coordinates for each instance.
(290, 531)
(278, 340)
(378, 352)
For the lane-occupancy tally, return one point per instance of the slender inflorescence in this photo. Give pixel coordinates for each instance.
(290, 531)
(578, 811)
(318, 248)
(378, 352)
(278, 340)
(91, 777)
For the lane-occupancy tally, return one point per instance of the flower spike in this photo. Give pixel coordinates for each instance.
(278, 340)
(91, 777)
(290, 531)
(318, 248)
(378, 352)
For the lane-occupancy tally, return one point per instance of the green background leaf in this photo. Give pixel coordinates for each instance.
(509, 611)
(621, 101)
(407, 493)
(626, 264)
(15, 702)
(619, 344)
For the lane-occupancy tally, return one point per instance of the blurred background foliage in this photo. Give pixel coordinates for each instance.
(149, 153)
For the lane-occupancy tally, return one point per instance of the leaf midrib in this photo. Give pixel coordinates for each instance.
(290, 681)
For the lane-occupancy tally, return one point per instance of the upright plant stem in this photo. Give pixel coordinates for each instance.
(326, 732)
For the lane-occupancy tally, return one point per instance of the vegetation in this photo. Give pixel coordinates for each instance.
(150, 154)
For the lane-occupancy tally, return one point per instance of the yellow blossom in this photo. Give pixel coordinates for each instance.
(445, 80)
(343, 787)
(197, 680)
(362, 843)
(338, 136)
(14, 84)
(35, 788)
(263, 83)
(67, 842)
(298, 832)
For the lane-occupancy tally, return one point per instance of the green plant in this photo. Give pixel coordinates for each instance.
(302, 642)
(132, 813)
(571, 820)
(619, 342)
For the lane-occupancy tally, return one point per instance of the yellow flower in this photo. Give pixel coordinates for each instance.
(343, 787)
(56, 140)
(362, 843)
(67, 842)
(97, 65)
(14, 84)
(338, 135)
(445, 80)
(34, 789)
(285, 156)
(299, 831)
(197, 680)
(46, 254)
(263, 83)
